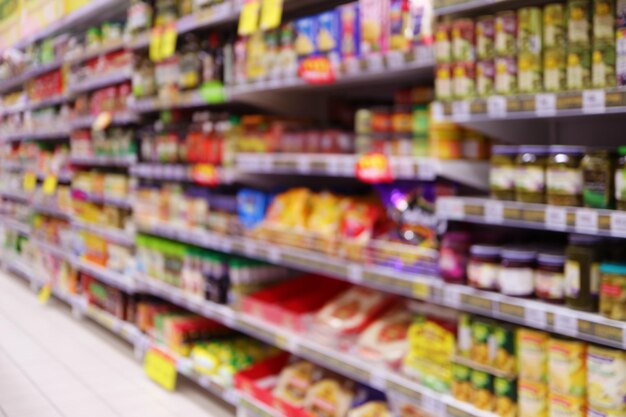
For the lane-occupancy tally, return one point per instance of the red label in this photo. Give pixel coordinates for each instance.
(316, 70)
(611, 290)
(205, 174)
(374, 169)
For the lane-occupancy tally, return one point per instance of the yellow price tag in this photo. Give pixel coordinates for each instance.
(161, 368)
(155, 44)
(421, 290)
(168, 41)
(50, 185)
(44, 293)
(249, 18)
(30, 182)
(271, 14)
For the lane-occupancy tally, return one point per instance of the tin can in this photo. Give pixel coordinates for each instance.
(603, 66)
(463, 80)
(443, 82)
(529, 72)
(485, 34)
(463, 38)
(578, 21)
(505, 391)
(529, 23)
(604, 21)
(443, 43)
(485, 76)
(554, 72)
(553, 25)
(506, 31)
(578, 68)
(506, 75)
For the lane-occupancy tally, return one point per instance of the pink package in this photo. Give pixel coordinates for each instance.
(374, 26)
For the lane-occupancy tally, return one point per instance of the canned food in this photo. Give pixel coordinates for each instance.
(603, 20)
(506, 75)
(463, 40)
(485, 34)
(443, 44)
(529, 72)
(443, 82)
(553, 25)
(463, 85)
(505, 391)
(506, 31)
(578, 68)
(578, 19)
(529, 29)
(485, 75)
(554, 72)
(603, 66)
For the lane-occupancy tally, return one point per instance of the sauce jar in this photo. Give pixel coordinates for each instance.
(453, 256)
(517, 272)
(502, 172)
(550, 277)
(598, 179)
(613, 291)
(483, 266)
(582, 272)
(620, 179)
(564, 175)
(381, 120)
(530, 182)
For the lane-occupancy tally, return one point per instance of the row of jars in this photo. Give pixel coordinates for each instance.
(559, 175)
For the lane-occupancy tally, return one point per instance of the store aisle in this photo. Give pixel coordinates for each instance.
(52, 365)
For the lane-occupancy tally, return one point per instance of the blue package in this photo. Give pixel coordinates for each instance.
(350, 30)
(328, 35)
(306, 29)
(251, 207)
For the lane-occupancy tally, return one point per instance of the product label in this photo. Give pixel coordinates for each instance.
(620, 184)
(516, 281)
(530, 179)
(442, 50)
(572, 278)
(483, 275)
(603, 26)
(596, 188)
(575, 76)
(550, 285)
(578, 29)
(564, 181)
(502, 178)
(552, 79)
(598, 74)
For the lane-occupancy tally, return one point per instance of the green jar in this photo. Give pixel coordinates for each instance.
(564, 176)
(620, 179)
(530, 182)
(582, 272)
(598, 179)
(502, 172)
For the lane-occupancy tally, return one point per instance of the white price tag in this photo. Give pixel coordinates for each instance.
(451, 297)
(427, 170)
(587, 220)
(403, 168)
(375, 63)
(618, 223)
(249, 247)
(594, 101)
(535, 317)
(436, 109)
(394, 59)
(461, 110)
(378, 380)
(304, 165)
(433, 405)
(556, 218)
(355, 273)
(496, 106)
(545, 104)
(352, 66)
(274, 254)
(494, 212)
(451, 208)
(566, 324)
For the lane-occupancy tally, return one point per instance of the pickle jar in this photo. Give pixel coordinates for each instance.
(530, 181)
(550, 277)
(620, 179)
(564, 175)
(483, 266)
(598, 179)
(516, 276)
(613, 291)
(502, 172)
(582, 272)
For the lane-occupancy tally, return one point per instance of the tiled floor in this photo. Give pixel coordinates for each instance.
(52, 365)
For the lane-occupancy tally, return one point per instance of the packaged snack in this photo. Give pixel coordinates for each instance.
(328, 398)
(350, 30)
(386, 338)
(505, 391)
(443, 43)
(567, 367)
(374, 18)
(295, 381)
(463, 82)
(398, 22)
(485, 36)
(443, 81)
(578, 20)
(506, 32)
(532, 399)
(603, 66)
(251, 207)
(578, 68)
(566, 406)
(554, 70)
(529, 72)
(463, 38)
(506, 75)
(532, 347)
(553, 25)
(606, 378)
(306, 29)
(325, 216)
(604, 21)
(328, 35)
(482, 390)
(529, 25)
(485, 77)
(371, 408)
(461, 383)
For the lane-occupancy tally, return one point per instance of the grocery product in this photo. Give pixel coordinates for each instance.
(549, 277)
(613, 291)
(443, 42)
(505, 80)
(483, 268)
(505, 392)
(564, 175)
(328, 397)
(505, 33)
(374, 26)
(482, 390)
(598, 179)
(502, 172)
(578, 67)
(582, 272)
(578, 18)
(463, 40)
(532, 399)
(567, 367)
(620, 179)
(485, 34)
(516, 273)
(485, 77)
(606, 383)
(530, 182)
(385, 339)
(295, 381)
(532, 347)
(553, 25)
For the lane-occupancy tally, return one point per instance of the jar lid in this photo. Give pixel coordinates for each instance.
(608, 268)
(576, 239)
(504, 149)
(485, 250)
(536, 149)
(551, 258)
(519, 254)
(567, 149)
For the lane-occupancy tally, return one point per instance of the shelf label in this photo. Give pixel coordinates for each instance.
(461, 110)
(421, 291)
(433, 405)
(594, 101)
(161, 368)
(494, 212)
(545, 104)
(566, 324)
(355, 273)
(30, 182)
(451, 297)
(618, 223)
(373, 168)
(587, 219)
(271, 14)
(496, 106)
(44, 293)
(394, 59)
(374, 62)
(316, 70)
(249, 17)
(556, 218)
(451, 208)
(377, 379)
(535, 317)
(436, 110)
(50, 185)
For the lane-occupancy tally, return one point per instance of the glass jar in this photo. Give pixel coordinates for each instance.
(598, 179)
(613, 291)
(402, 119)
(483, 266)
(564, 175)
(530, 181)
(582, 272)
(517, 272)
(190, 64)
(453, 256)
(620, 179)
(381, 120)
(502, 172)
(550, 277)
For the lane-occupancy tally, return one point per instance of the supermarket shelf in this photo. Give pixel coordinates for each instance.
(103, 160)
(94, 82)
(62, 177)
(51, 210)
(558, 319)
(533, 216)
(531, 106)
(86, 122)
(15, 225)
(96, 52)
(34, 105)
(126, 330)
(113, 278)
(472, 173)
(35, 71)
(16, 195)
(119, 236)
(55, 249)
(341, 362)
(176, 172)
(123, 203)
(35, 135)
(458, 6)
(182, 100)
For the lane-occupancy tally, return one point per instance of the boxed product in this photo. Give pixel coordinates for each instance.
(328, 36)
(532, 348)
(374, 19)
(567, 367)
(350, 31)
